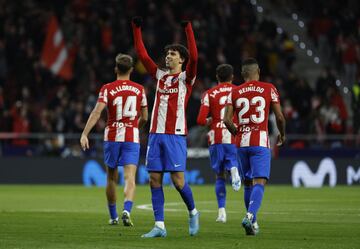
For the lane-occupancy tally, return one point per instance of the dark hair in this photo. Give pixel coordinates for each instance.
(224, 72)
(183, 51)
(123, 63)
(248, 67)
(250, 61)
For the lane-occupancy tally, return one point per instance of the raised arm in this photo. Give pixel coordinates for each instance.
(191, 67)
(148, 63)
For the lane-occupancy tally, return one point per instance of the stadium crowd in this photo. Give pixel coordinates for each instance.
(32, 99)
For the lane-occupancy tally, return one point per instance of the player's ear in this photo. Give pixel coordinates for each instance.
(131, 69)
(115, 70)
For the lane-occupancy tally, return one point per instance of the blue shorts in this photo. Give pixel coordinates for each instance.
(255, 162)
(166, 152)
(121, 153)
(223, 157)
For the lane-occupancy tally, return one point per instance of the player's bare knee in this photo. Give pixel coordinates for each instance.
(178, 185)
(155, 182)
(261, 181)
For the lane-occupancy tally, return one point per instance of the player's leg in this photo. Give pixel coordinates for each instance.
(260, 164)
(129, 157)
(157, 199)
(111, 155)
(216, 160)
(220, 191)
(175, 152)
(129, 193)
(186, 194)
(112, 180)
(155, 167)
(232, 165)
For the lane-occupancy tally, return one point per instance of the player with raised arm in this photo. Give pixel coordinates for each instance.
(167, 150)
(222, 147)
(252, 102)
(127, 112)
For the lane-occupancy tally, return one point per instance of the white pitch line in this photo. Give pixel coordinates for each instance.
(148, 207)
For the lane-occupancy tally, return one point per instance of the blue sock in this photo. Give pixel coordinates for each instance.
(247, 194)
(256, 198)
(128, 206)
(157, 199)
(220, 191)
(112, 211)
(186, 195)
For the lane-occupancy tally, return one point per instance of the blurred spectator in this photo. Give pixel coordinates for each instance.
(225, 31)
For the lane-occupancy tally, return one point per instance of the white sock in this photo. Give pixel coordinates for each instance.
(160, 224)
(222, 211)
(193, 212)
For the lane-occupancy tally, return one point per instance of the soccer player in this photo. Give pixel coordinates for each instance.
(251, 102)
(166, 151)
(221, 143)
(127, 112)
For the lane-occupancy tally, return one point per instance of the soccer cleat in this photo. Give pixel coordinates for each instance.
(194, 225)
(155, 232)
(256, 227)
(235, 179)
(126, 219)
(114, 221)
(248, 225)
(221, 216)
(221, 219)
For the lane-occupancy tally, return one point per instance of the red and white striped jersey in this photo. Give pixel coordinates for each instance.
(214, 101)
(124, 100)
(172, 90)
(171, 97)
(251, 102)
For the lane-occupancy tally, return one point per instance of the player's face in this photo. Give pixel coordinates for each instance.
(173, 59)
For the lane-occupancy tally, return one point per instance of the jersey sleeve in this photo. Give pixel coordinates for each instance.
(141, 51)
(204, 110)
(191, 67)
(143, 98)
(274, 95)
(103, 95)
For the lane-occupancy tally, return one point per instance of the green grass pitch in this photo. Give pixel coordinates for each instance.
(47, 216)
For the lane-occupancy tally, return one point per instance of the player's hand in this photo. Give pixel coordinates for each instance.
(184, 23)
(281, 140)
(137, 20)
(209, 121)
(84, 142)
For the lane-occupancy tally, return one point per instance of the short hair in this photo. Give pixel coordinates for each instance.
(124, 63)
(183, 51)
(224, 72)
(249, 67)
(249, 61)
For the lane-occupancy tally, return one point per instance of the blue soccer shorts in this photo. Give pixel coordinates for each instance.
(166, 153)
(223, 157)
(121, 153)
(255, 162)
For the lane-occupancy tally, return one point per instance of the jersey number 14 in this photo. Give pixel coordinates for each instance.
(128, 110)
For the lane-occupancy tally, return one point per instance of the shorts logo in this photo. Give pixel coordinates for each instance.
(177, 165)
